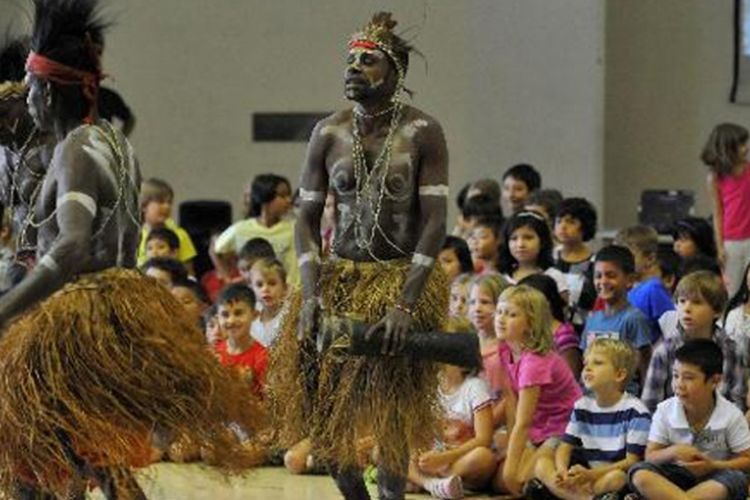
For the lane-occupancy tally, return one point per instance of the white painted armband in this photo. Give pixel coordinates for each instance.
(422, 260)
(308, 257)
(49, 262)
(312, 196)
(436, 190)
(81, 198)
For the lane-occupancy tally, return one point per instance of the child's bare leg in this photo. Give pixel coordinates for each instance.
(475, 468)
(545, 471)
(524, 473)
(655, 486)
(612, 481)
(295, 459)
(708, 490)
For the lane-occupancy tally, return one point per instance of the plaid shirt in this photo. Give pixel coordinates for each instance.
(658, 385)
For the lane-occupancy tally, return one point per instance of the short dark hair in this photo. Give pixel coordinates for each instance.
(461, 197)
(550, 199)
(257, 248)
(668, 261)
(461, 249)
(525, 173)
(263, 190)
(481, 205)
(548, 287)
(493, 222)
(703, 353)
(174, 267)
(236, 292)
(538, 224)
(700, 231)
(619, 255)
(195, 288)
(166, 235)
(582, 210)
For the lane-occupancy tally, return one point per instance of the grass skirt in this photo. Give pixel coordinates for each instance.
(104, 361)
(337, 399)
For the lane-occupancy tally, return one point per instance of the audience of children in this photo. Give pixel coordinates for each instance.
(268, 281)
(162, 242)
(455, 258)
(545, 202)
(693, 236)
(253, 250)
(459, 296)
(519, 181)
(484, 242)
(193, 298)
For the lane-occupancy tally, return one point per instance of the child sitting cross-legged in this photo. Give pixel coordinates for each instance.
(699, 443)
(607, 432)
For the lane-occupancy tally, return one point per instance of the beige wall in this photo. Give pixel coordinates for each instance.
(668, 77)
(510, 80)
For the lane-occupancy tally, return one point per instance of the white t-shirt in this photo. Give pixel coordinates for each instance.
(725, 434)
(473, 395)
(265, 333)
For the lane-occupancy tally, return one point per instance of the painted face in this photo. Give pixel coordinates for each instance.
(458, 300)
(189, 301)
(163, 277)
(449, 261)
(213, 331)
(511, 323)
(156, 247)
(568, 230)
(37, 102)
(515, 193)
(695, 314)
(367, 71)
(691, 385)
(156, 212)
(524, 245)
(235, 319)
(481, 309)
(684, 246)
(269, 288)
(610, 281)
(483, 243)
(598, 370)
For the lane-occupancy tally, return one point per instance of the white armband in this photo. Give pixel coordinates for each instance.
(308, 257)
(437, 190)
(49, 262)
(312, 196)
(81, 198)
(422, 260)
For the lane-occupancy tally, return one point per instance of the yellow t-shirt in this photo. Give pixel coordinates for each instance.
(185, 252)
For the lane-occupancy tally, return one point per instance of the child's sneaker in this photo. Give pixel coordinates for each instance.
(449, 487)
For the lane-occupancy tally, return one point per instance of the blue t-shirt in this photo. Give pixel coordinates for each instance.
(653, 299)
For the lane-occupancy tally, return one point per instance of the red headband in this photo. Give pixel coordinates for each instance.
(47, 69)
(365, 44)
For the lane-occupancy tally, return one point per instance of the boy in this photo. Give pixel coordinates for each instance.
(193, 298)
(166, 270)
(701, 298)
(649, 293)
(699, 443)
(253, 250)
(236, 311)
(484, 243)
(613, 274)
(518, 182)
(268, 281)
(156, 207)
(162, 242)
(607, 432)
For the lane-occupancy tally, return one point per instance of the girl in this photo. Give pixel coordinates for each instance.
(725, 154)
(564, 335)
(270, 202)
(464, 456)
(693, 236)
(527, 249)
(455, 258)
(459, 297)
(483, 294)
(543, 389)
(268, 279)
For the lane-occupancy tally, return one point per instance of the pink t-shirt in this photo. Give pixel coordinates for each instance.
(735, 200)
(492, 372)
(558, 389)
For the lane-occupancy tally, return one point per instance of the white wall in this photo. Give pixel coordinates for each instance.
(510, 80)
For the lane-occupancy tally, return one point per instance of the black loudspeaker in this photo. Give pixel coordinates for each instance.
(660, 209)
(201, 219)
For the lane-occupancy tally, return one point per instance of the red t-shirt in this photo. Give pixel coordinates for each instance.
(251, 364)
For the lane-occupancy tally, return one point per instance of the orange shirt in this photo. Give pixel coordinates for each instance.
(251, 364)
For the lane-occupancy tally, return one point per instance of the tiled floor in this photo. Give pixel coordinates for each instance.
(197, 482)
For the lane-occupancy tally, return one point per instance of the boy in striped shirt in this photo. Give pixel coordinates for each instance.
(607, 432)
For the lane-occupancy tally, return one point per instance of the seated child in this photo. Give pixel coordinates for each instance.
(701, 297)
(699, 443)
(253, 250)
(455, 258)
(165, 270)
(192, 297)
(542, 389)
(484, 243)
(463, 458)
(156, 207)
(268, 279)
(211, 327)
(519, 181)
(162, 242)
(545, 202)
(459, 296)
(694, 236)
(613, 272)
(236, 311)
(648, 293)
(607, 432)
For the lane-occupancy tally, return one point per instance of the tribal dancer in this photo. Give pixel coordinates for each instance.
(96, 356)
(25, 152)
(386, 164)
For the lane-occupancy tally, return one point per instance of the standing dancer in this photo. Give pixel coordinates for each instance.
(95, 356)
(386, 164)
